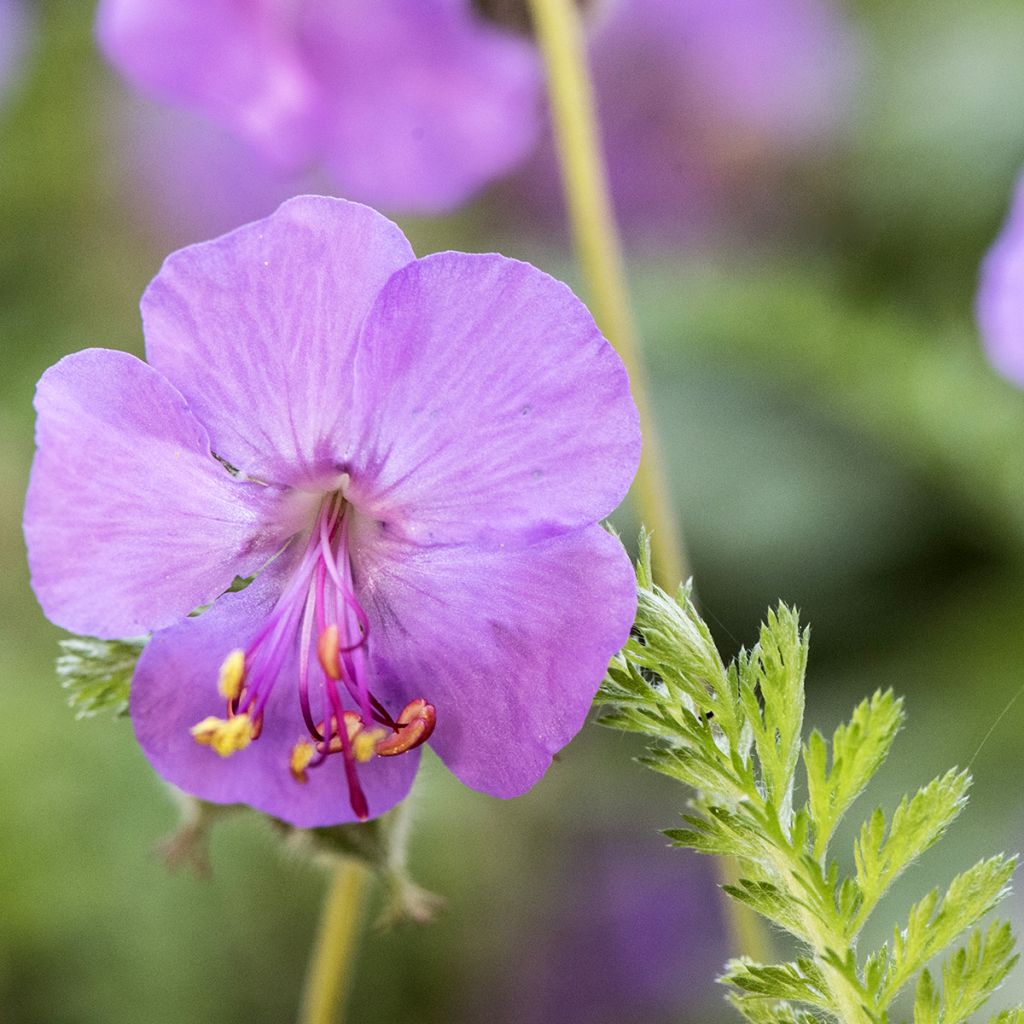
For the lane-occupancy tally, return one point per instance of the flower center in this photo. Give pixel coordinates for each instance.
(341, 713)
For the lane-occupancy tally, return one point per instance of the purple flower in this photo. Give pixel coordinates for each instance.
(410, 454)
(700, 98)
(184, 177)
(633, 935)
(410, 104)
(1000, 305)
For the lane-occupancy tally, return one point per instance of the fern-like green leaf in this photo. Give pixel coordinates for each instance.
(800, 981)
(759, 1010)
(933, 925)
(732, 735)
(882, 854)
(927, 1001)
(97, 674)
(1015, 1016)
(973, 972)
(859, 749)
(771, 693)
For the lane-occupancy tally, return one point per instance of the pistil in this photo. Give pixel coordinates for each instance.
(319, 595)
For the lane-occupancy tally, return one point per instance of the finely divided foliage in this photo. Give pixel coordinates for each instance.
(734, 734)
(97, 674)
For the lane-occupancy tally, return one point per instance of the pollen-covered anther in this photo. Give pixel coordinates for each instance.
(225, 736)
(302, 753)
(364, 743)
(232, 675)
(328, 651)
(413, 727)
(353, 724)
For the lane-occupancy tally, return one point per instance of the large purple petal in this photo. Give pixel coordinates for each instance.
(257, 329)
(235, 62)
(130, 521)
(490, 407)
(1000, 304)
(175, 686)
(427, 101)
(413, 104)
(510, 647)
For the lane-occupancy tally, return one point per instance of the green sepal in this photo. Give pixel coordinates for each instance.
(380, 844)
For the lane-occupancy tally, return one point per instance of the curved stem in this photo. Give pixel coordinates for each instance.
(561, 39)
(330, 964)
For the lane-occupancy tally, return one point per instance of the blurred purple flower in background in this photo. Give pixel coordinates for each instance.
(14, 35)
(412, 105)
(1000, 306)
(411, 454)
(629, 935)
(699, 98)
(186, 177)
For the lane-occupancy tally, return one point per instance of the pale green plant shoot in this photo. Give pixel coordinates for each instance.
(762, 795)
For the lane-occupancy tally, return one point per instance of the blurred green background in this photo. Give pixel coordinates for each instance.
(836, 440)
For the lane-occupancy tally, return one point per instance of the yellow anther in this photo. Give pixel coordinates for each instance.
(225, 736)
(232, 672)
(364, 744)
(302, 754)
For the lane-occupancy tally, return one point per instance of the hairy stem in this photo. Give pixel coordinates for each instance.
(560, 36)
(848, 998)
(825, 934)
(336, 946)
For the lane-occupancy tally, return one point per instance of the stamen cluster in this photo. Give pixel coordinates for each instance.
(319, 596)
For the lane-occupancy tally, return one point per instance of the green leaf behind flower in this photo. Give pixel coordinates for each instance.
(97, 674)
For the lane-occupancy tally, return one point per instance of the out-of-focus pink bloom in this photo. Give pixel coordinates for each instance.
(1000, 307)
(699, 97)
(411, 105)
(633, 934)
(186, 177)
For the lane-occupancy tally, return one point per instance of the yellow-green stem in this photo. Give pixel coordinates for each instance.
(747, 934)
(334, 953)
(847, 999)
(562, 42)
(561, 39)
